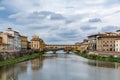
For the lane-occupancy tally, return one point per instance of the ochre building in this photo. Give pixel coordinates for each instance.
(37, 43)
(24, 43)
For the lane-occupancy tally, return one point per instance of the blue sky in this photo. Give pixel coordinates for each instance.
(60, 21)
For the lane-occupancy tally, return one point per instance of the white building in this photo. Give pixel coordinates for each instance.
(17, 39)
(117, 45)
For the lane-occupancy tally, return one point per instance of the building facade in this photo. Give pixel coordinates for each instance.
(92, 40)
(0, 40)
(29, 45)
(10, 42)
(37, 43)
(106, 42)
(7, 41)
(103, 42)
(17, 39)
(78, 46)
(24, 43)
(117, 45)
(84, 46)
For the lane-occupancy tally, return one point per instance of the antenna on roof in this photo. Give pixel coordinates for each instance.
(9, 28)
(98, 32)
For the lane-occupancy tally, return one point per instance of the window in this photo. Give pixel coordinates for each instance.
(0, 40)
(111, 45)
(110, 49)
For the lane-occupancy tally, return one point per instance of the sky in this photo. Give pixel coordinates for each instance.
(60, 21)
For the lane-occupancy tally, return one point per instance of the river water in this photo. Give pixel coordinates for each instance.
(61, 67)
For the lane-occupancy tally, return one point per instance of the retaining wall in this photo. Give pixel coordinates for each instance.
(7, 54)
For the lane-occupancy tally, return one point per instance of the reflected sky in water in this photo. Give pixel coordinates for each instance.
(61, 67)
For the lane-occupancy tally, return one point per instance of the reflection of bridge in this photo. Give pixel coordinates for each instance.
(55, 48)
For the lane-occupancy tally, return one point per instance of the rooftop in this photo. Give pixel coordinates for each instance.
(106, 35)
(36, 38)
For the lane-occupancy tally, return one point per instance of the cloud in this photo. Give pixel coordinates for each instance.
(56, 17)
(110, 28)
(60, 21)
(2, 8)
(87, 28)
(68, 34)
(94, 20)
(94, 1)
(36, 17)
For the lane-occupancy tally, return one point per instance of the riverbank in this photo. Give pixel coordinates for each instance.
(97, 57)
(19, 59)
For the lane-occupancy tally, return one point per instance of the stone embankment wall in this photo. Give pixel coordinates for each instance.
(7, 54)
(104, 53)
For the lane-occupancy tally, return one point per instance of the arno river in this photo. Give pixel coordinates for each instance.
(61, 67)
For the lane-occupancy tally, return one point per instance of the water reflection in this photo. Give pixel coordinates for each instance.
(8, 73)
(104, 64)
(36, 64)
(23, 67)
(12, 72)
(61, 67)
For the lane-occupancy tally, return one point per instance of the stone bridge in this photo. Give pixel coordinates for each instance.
(54, 48)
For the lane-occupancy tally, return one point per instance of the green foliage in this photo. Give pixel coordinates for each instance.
(98, 57)
(16, 60)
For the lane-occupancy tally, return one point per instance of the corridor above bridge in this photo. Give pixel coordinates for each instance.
(61, 46)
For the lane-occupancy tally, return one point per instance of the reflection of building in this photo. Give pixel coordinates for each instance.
(23, 67)
(7, 73)
(102, 64)
(24, 42)
(6, 42)
(37, 43)
(103, 42)
(17, 40)
(36, 63)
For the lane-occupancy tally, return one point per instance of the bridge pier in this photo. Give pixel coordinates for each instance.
(67, 52)
(54, 52)
(66, 48)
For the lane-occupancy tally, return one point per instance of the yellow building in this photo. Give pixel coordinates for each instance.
(24, 42)
(7, 41)
(84, 46)
(37, 43)
(42, 43)
(78, 46)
